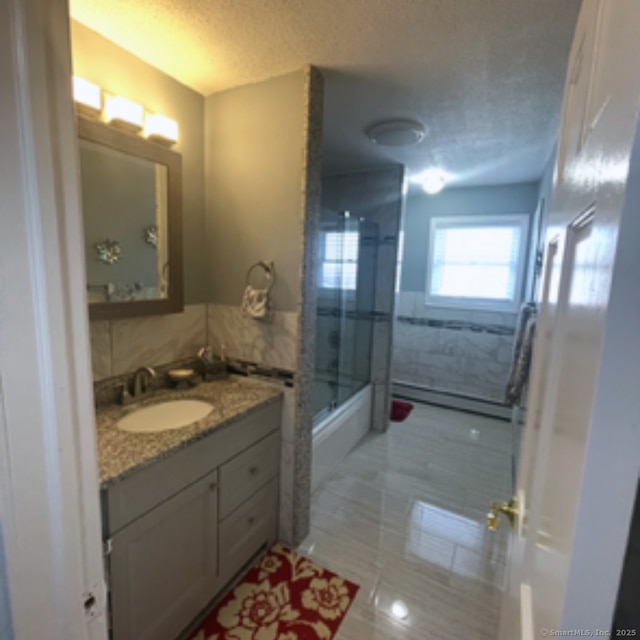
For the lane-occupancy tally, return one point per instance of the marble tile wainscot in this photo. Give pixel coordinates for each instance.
(121, 346)
(458, 353)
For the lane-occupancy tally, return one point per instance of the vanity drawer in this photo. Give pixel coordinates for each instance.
(248, 528)
(241, 477)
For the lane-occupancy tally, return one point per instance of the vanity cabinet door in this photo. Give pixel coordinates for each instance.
(247, 529)
(164, 565)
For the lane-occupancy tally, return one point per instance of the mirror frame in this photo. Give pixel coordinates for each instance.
(134, 145)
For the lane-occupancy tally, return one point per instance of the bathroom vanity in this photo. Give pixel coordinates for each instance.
(186, 510)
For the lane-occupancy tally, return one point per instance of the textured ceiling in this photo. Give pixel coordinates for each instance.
(484, 76)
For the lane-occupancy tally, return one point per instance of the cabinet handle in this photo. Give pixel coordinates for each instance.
(212, 486)
(253, 470)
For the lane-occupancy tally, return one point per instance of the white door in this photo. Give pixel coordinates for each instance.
(51, 575)
(579, 460)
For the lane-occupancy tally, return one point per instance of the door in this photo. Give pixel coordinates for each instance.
(51, 574)
(578, 463)
(164, 565)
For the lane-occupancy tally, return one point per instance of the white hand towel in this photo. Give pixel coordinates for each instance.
(256, 303)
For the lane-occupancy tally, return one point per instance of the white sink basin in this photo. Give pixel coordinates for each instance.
(165, 416)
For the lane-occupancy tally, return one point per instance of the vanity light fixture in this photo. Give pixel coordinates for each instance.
(119, 110)
(160, 128)
(87, 95)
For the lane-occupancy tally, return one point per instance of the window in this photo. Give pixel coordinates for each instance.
(339, 259)
(476, 261)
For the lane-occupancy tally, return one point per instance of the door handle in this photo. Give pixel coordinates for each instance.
(509, 509)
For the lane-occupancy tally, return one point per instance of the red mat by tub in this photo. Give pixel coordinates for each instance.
(400, 410)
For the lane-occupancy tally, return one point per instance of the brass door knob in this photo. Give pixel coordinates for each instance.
(509, 509)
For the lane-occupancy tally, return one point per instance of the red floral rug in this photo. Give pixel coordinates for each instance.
(284, 597)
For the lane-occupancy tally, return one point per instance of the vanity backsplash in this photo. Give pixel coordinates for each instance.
(119, 347)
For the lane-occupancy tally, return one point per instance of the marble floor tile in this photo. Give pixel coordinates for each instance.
(404, 517)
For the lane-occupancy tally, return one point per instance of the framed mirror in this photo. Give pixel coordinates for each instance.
(132, 211)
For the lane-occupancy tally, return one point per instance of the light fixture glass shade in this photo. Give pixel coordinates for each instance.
(157, 126)
(87, 93)
(123, 110)
(433, 182)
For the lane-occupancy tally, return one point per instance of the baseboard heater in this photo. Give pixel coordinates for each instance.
(450, 399)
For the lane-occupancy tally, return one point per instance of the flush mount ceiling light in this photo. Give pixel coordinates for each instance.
(433, 181)
(396, 133)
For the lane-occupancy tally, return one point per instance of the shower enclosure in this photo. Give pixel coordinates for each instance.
(346, 294)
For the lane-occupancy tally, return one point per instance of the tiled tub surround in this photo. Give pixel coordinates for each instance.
(343, 345)
(377, 196)
(121, 453)
(454, 350)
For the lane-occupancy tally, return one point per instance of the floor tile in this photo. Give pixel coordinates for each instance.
(403, 515)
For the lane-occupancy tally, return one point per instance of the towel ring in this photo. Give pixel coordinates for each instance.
(269, 272)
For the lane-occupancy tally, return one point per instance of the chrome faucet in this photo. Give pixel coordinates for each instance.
(142, 381)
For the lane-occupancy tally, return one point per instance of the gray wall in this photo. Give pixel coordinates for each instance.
(254, 164)
(119, 72)
(509, 199)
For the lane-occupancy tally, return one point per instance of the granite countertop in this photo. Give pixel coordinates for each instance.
(121, 453)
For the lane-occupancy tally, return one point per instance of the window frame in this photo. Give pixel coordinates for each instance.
(521, 220)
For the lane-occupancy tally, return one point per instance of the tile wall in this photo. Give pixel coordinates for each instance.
(121, 346)
(268, 343)
(455, 350)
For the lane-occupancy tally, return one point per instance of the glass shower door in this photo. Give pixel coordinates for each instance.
(346, 295)
(358, 298)
(329, 314)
